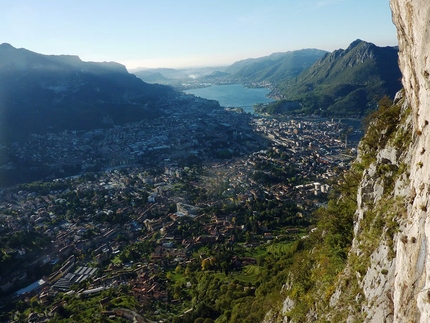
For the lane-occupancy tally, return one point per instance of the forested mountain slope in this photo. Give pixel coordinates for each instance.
(42, 93)
(275, 68)
(346, 82)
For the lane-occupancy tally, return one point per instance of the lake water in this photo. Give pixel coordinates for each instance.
(233, 95)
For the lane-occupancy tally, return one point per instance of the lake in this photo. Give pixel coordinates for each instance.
(233, 95)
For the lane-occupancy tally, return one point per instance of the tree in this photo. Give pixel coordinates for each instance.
(187, 271)
(206, 263)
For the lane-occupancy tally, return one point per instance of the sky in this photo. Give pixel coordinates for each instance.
(190, 33)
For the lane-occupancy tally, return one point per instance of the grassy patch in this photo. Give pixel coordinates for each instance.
(250, 274)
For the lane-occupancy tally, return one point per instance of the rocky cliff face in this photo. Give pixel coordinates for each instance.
(412, 274)
(370, 281)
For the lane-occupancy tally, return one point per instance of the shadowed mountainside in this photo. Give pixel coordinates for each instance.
(40, 93)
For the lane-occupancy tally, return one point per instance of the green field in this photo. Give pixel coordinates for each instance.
(282, 249)
(249, 274)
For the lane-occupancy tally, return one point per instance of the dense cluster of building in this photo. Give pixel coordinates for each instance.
(141, 193)
(192, 128)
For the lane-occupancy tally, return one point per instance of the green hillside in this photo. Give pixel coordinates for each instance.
(346, 82)
(276, 67)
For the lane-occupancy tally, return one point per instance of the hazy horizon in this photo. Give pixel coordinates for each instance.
(190, 34)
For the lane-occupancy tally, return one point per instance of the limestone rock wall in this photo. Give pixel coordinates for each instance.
(411, 299)
(383, 200)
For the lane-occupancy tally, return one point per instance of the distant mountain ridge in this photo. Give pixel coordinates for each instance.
(19, 59)
(173, 76)
(346, 82)
(40, 93)
(276, 67)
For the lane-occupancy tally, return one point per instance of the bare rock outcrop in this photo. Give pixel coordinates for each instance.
(412, 274)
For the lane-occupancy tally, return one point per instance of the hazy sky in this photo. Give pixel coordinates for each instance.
(188, 33)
